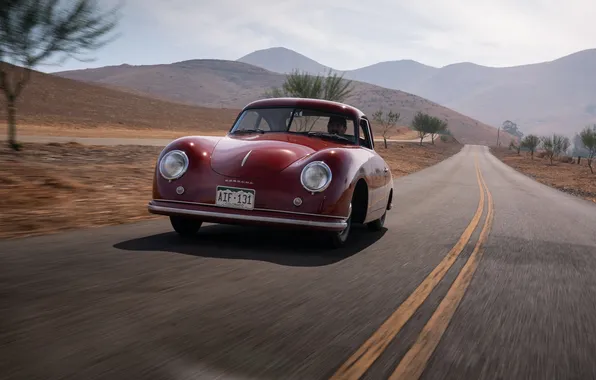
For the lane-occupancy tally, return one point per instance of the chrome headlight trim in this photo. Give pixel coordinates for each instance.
(325, 167)
(184, 168)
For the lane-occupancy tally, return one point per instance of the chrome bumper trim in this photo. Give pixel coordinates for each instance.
(254, 209)
(266, 219)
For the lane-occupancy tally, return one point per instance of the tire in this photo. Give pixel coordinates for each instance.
(377, 224)
(338, 239)
(185, 226)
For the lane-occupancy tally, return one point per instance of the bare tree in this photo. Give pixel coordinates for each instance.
(555, 145)
(579, 149)
(32, 31)
(548, 146)
(588, 136)
(530, 142)
(387, 122)
(563, 143)
(516, 147)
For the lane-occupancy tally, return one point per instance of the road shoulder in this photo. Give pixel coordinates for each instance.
(568, 177)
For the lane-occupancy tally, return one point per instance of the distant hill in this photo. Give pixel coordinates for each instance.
(542, 98)
(282, 60)
(399, 75)
(232, 84)
(51, 100)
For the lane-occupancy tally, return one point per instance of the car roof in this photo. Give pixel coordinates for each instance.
(321, 104)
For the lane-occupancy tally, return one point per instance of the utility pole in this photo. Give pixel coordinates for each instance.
(498, 132)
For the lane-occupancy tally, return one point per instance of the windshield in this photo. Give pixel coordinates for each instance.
(297, 120)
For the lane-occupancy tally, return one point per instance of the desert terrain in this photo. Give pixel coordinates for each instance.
(565, 174)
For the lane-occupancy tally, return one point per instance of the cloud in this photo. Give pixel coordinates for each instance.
(347, 34)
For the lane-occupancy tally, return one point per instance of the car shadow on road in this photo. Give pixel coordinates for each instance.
(279, 246)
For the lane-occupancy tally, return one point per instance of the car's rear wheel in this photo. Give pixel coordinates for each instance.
(337, 239)
(185, 226)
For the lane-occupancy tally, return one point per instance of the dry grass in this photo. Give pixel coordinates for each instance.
(66, 130)
(47, 188)
(406, 158)
(54, 187)
(398, 133)
(563, 175)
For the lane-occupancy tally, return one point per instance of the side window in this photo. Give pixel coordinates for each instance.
(253, 120)
(364, 134)
(247, 121)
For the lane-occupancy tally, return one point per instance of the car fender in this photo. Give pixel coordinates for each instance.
(346, 170)
(198, 150)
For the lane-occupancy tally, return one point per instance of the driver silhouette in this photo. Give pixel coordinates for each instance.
(337, 125)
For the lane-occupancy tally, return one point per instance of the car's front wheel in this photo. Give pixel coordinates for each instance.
(377, 224)
(185, 226)
(338, 239)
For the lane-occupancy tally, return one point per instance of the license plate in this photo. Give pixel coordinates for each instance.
(235, 197)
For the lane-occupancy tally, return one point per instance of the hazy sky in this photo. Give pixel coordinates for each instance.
(347, 34)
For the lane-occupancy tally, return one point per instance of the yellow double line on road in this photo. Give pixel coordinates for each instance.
(414, 362)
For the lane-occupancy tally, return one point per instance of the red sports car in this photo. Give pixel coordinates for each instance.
(295, 162)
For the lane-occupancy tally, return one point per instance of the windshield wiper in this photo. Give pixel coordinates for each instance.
(330, 135)
(249, 131)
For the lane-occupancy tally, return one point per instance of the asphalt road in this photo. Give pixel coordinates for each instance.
(137, 302)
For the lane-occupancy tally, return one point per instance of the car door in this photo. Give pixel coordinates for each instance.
(378, 173)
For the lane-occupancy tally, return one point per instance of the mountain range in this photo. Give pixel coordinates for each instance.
(233, 84)
(556, 96)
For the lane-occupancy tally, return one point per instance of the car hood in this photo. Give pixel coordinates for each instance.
(260, 155)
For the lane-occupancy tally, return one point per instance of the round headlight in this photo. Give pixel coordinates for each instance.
(173, 164)
(316, 176)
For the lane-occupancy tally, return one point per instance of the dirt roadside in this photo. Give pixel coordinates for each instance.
(571, 178)
(47, 188)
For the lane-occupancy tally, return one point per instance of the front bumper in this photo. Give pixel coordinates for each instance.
(215, 214)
